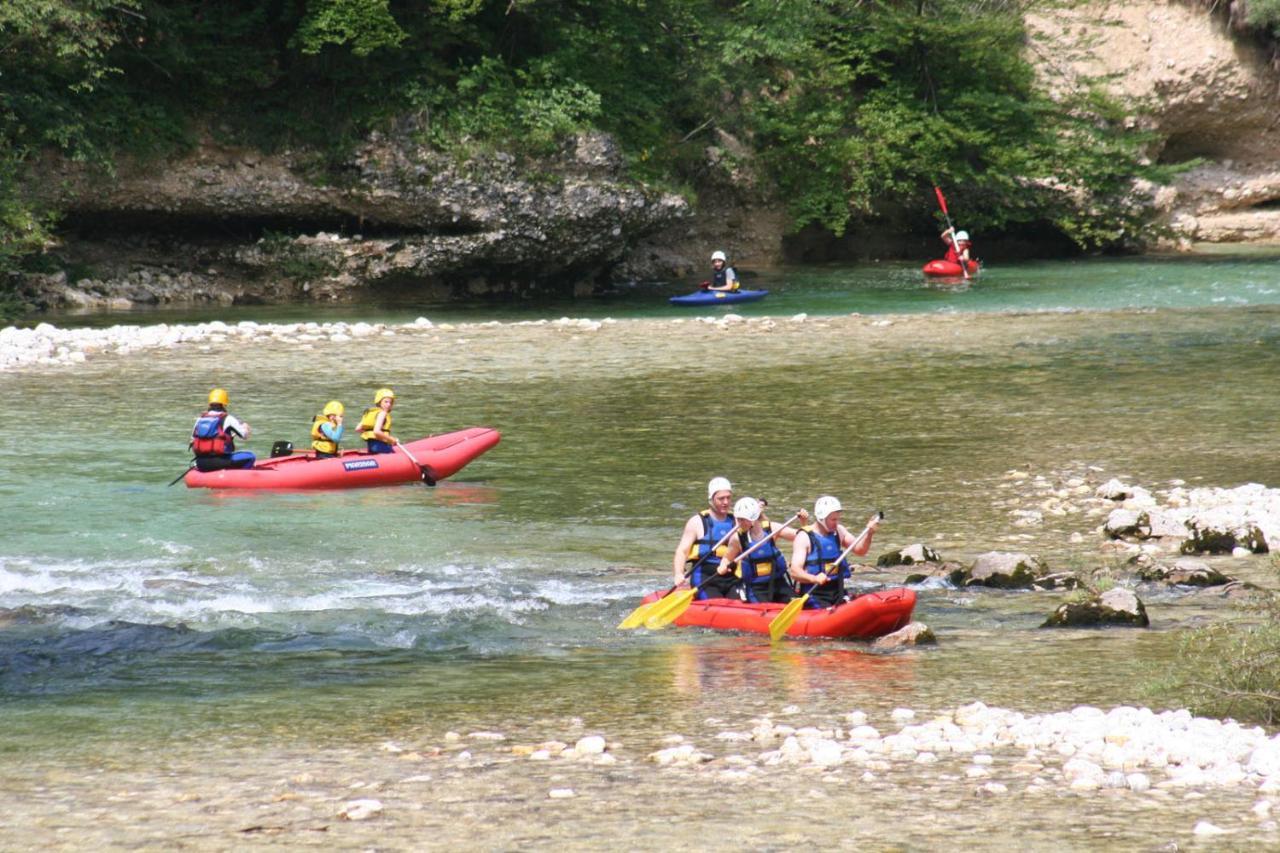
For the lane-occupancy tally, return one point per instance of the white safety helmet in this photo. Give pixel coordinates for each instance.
(824, 506)
(748, 508)
(962, 236)
(718, 484)
(718, 256)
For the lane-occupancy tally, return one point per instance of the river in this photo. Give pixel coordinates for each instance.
(185, 668)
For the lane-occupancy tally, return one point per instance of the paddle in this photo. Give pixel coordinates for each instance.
(942, 202)
(787, 615)
(637, 616)
(183, 474)
(427, 478)
(671, 611)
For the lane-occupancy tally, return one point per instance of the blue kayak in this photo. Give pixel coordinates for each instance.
(719, 297)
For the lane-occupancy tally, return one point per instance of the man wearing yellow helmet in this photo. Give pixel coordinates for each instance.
(213, 437)
(375, 424)
(327, 429)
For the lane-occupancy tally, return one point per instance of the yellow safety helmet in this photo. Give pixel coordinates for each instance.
(218, 395)
(382, 394)
(333, 407)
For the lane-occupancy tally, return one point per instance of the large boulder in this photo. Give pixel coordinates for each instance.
(909, 556)
(1003, 570)
(1184, 572)
(1221, 532)
(1117, 606)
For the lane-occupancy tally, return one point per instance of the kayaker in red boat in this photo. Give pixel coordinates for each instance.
(813, 556)
(700, 549)
(327, 429)
(722, 275)
(375, 424)
(213, 438)
(957, 248)
(763, 577)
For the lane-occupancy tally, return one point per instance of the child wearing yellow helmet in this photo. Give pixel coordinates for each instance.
(375, 424)
(213, 437)
(327, 429)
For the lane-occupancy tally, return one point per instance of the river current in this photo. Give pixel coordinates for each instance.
(186, 668)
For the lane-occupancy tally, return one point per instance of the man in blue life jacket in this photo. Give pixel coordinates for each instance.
(722, 275)
(814, 567)
(763, 574)
(699, 552)
(213, 438)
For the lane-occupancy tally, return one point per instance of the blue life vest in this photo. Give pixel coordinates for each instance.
(712, 532)
(209, 436)
(764, 569)
(823, 550)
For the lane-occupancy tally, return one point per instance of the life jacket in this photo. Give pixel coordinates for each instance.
(719, 277)
(712, 532)
(369, 418)
(951, 254)
(765, 563)
(823, 550)
(209, 436)
(320, 442)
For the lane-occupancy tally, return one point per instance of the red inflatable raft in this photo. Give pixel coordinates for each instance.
(948, 269)
(445, 454)
(868, 616)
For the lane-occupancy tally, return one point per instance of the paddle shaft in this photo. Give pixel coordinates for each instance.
(427, 479)
(866, 531)
(942, 202)
(180, 476)
(738, 559)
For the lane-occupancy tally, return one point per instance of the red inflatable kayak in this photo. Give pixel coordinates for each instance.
(948, 269)
(446, 455)
(868, 616)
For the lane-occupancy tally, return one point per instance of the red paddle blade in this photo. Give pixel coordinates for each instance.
(942, 200)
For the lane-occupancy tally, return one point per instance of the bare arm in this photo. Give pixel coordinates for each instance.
(692, 528)
(731, 553)
(379, 433)
(799, 553)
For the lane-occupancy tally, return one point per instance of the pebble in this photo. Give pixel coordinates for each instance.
(360, 810)
(561, 793)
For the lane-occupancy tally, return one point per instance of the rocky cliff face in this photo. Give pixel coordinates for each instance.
(230, 225)
(1212, 91)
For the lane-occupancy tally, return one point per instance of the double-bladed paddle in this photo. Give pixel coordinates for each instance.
(638, 616)
(676, 605)
(787, 615)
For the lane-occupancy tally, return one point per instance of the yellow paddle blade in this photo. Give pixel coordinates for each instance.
(670, 609)
(637, 616)
(785, 617)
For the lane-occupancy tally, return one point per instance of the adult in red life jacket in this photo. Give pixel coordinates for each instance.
(958, 246)
(700, 550)
(762, 575)
(213, 438)
(814, 566)
(722, 275)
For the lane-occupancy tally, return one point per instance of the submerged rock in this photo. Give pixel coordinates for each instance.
(914, 634)
(1117, 606)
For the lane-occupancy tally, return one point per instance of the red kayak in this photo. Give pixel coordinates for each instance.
(868, 616)
(445, 454)
(948, 269)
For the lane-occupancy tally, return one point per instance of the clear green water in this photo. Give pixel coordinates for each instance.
(184, 658)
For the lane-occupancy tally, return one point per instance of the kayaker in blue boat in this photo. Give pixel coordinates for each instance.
(327, 430)
(213, 438)
(813, 556)
(722, 275)
(703, 544)
(763, 575)
(958, 246)
(375, 424)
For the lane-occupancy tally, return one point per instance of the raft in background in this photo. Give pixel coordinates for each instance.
(718, 297)
(949, 269)
(868, 616)
(445, 455)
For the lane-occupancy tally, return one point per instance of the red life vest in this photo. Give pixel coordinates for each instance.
(209, 437)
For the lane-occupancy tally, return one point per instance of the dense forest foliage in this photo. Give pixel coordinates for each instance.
(849, 105)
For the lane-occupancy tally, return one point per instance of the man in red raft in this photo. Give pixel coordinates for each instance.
(958, 247)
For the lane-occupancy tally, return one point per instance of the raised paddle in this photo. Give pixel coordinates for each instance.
(637, 616)
(673, 609)
(427, 478)
(942, 202)
(787, 615)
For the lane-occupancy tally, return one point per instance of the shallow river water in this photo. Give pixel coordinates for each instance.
(194, 669)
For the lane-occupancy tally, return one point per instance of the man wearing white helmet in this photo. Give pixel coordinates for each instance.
(958, 246)
(763, 575)
(722, 275)
(700, 549)
(813, 557)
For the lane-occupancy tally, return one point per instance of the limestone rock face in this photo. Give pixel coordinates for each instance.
(1212, 94)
